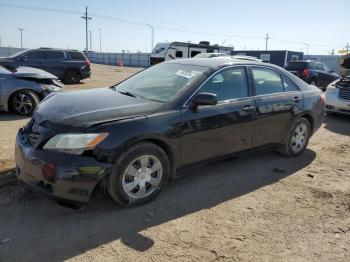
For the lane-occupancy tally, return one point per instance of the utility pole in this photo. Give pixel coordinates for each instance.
(307, 47)
(99, 30)
(267, 40)
(21, 30)
(90, 40)
(86, 18)
(152, 36)
(347, 47)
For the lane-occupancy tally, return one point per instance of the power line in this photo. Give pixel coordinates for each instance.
(160, 27)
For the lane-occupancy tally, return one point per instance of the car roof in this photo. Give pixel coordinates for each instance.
(54, 49)
(217, 62)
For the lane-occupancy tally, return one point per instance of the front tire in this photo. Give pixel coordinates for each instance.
(24, 102)
(298, 138)
(139, 174)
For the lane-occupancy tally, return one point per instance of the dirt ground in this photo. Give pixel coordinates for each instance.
(260, 207)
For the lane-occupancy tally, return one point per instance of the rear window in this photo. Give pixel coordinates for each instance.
(76, 56)
(297, 65)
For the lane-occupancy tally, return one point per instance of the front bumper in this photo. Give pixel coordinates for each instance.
(337, 105)
(58, 175)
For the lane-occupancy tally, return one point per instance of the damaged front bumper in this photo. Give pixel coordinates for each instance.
(58, 175)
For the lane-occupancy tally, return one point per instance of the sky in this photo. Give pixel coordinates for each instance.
(322, 25)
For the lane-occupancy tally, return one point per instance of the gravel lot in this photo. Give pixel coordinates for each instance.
(260, 207)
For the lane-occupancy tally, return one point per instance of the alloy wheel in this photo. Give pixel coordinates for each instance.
(22, 103)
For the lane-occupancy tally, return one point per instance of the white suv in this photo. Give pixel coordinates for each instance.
(338, 96)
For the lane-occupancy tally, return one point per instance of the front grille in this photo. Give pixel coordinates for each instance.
(344, 93)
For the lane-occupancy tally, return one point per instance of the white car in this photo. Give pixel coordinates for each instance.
(338, 96)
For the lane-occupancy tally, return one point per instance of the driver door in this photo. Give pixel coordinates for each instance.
(221, 129)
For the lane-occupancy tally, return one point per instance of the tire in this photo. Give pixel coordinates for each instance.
(129, 183)
(24, 102)
(298, 138)
(72, 77)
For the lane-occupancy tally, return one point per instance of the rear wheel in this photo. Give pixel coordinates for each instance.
(298, 138)
(139, 174)
(72, 77)
(24, 102)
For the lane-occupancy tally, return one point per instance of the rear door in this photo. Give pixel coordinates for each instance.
(277, 100)
(212, 131)
(53, 62)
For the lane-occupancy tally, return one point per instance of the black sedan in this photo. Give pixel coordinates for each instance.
(132, 137)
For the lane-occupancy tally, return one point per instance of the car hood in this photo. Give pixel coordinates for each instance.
(30, 72)
(82, 109)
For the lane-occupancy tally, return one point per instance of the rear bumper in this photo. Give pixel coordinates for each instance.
(85, 73)
(58, 175)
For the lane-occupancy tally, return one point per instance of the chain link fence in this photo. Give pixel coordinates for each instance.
(128, 59)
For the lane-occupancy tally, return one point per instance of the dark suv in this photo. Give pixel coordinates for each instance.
(313, 72)
(68, 65)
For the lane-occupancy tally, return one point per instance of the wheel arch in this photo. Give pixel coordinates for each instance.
(310, 119)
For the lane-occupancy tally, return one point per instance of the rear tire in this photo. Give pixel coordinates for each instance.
(71, 77)
(298, 138)
(139, 174)
(24, 102)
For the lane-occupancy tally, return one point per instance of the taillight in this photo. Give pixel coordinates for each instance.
(323, 98)
(305, 72)
(87, 62)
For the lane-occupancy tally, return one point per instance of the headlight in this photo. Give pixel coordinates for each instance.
(52, 88)
(331, 88)
(74, 144)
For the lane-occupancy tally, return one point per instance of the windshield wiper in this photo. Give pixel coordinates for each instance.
(126, 93)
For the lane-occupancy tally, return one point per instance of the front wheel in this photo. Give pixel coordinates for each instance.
(298, 138)
(139, 174)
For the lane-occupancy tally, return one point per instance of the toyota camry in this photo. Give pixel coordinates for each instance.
(131, 138)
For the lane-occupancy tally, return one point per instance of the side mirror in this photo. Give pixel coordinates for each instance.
(204, 99)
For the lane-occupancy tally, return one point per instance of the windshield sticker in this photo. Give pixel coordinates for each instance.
(185, 74)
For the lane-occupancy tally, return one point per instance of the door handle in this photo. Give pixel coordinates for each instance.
(249, 108)
(297, 99)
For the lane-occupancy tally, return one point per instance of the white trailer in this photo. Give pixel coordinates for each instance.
(177, 50)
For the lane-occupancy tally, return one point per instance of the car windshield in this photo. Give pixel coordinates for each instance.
(162, 82)
(18, 53)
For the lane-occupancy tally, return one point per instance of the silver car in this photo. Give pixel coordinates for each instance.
(338, 96)
(22, 89)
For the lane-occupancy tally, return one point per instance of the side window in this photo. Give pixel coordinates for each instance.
(178, 54)
(193, 53)
(76, 56)
(319, 67)
(54, 55)
(35, 55)
(266, 81)
(228, 84)
(288, 85)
